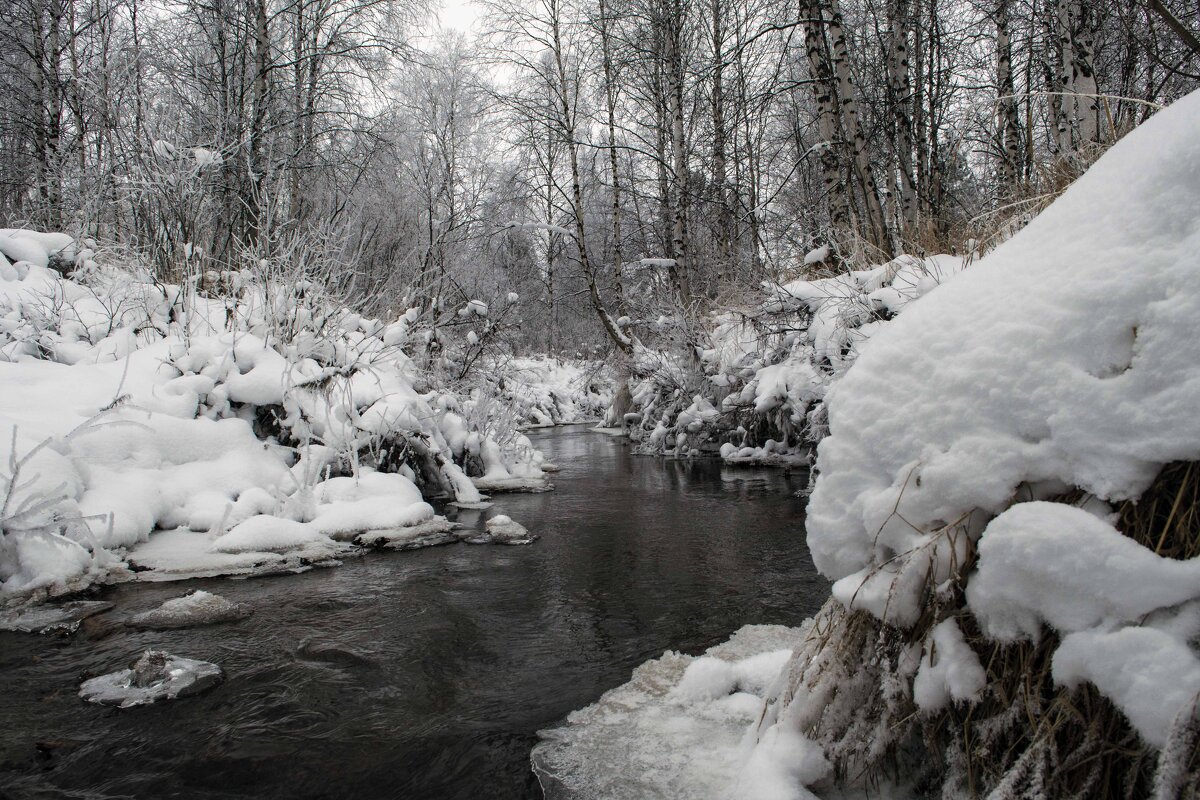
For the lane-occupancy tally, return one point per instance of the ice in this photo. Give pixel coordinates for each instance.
(65, 618)
(195, 608)
(155, 676)
(436, 531)
(680, 731)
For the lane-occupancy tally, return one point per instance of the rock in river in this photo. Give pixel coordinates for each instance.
(196, 608)
(504, 531)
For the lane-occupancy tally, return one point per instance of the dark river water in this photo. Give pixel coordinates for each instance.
(424, 674)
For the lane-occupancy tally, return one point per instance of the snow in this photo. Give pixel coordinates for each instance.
(266, 534)
(949, 671)
(1088, 380)
(1054, 563)
(769, 368)
(196, 434)
(817, 255)
(503, 530)
(1150, 675)
(1046, 368)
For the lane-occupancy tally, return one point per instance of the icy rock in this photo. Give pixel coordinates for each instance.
(196, 608)
(63, 619)
(157, 675)
(436, 531)
(504, 531)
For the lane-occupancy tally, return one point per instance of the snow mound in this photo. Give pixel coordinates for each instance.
(1001, 417)
(237, 425)
(1049, 360)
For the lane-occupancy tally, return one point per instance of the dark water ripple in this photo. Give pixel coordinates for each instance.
(423, 674)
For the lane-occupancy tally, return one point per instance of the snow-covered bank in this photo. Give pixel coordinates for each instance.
(540, 391)
(232, 424)
(1007, 501)
(757, 395)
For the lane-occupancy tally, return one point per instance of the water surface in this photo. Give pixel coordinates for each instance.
(423, 674)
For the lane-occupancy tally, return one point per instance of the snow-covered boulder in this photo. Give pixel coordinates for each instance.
(503, 530)
(195, 608)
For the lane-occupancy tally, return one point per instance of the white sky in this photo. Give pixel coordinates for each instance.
(459, 14)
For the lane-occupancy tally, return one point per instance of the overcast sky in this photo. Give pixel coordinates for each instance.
(459, 14)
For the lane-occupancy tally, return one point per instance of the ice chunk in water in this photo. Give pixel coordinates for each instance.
(64, 618)
(157, 675)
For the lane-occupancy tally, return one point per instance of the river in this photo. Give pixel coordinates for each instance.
(425, 674)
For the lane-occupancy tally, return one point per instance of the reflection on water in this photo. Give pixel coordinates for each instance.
(422, 674)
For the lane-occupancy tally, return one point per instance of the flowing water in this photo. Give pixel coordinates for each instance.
(423, 674)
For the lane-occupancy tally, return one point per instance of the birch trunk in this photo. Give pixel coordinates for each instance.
(825, 97)
(567, 121)
(673, 72)
(1010, 133)
(610, 102)
(860, 159)
(900, 86)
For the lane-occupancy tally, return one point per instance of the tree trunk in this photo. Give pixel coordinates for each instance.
(1010, 134)
(900, 86)
(860, 159)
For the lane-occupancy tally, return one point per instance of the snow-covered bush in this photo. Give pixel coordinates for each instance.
(246, 419)
(756, 393)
